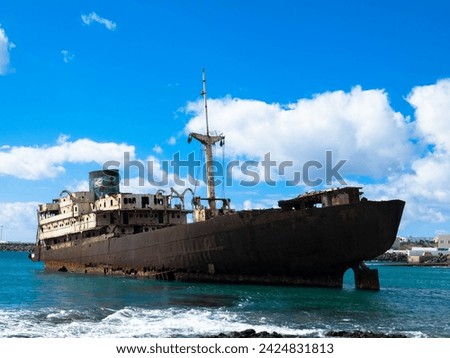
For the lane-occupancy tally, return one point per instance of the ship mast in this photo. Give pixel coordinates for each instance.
(208, 141)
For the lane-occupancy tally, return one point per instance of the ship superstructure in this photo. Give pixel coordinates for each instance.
(105, 212)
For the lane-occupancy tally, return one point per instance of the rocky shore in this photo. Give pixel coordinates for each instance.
(393, 257)
(16, 246)
(399, 257)
(251, 333)
(363, 334)
(439, 259)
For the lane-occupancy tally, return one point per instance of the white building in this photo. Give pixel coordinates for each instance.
(443, 241)
(421, 254)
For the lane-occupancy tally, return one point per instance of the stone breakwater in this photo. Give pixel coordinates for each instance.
(16, 246)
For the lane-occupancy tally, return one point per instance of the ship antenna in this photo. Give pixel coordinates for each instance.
(205, 100)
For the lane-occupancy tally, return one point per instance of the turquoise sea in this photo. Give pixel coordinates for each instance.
(414, 301)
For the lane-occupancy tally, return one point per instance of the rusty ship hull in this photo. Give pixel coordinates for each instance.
(312, 247)
(311, 239)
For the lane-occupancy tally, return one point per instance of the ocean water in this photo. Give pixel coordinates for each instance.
(414, 301)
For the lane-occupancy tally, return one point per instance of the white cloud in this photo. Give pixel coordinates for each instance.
(250, 205)
(424, 186)
(79, 185)
(5, 47)
(19, 221)
(67, 56)
(62, 138)
(432, 105)
(93, 17)
(359, 126)
(48, 161)
(172, 141)
(157, 149)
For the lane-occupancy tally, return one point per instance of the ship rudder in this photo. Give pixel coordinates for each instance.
(366, 278)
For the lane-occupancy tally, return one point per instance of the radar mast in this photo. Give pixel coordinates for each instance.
(208, 141)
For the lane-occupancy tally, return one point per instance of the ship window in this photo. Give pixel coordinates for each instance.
(76, 208)
(104, 216)
(111, 202)
(131, 215)
(125, 200)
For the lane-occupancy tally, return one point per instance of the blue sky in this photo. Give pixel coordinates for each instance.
(83, 82)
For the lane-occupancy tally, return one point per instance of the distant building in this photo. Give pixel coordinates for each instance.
(421, 254)
(443, 241)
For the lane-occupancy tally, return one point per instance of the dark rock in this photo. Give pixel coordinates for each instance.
(363, 334)
(393, 257)
(441, 258)
(249, 333)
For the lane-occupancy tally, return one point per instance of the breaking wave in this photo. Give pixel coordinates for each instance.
(131, 322)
